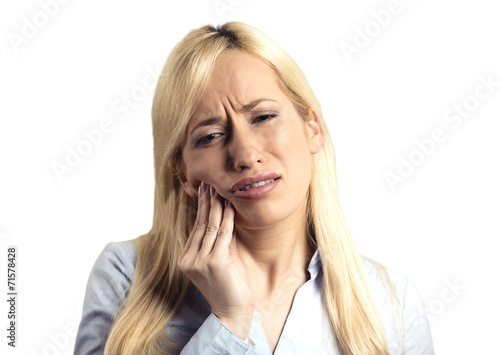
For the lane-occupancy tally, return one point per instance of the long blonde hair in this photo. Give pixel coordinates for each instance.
(158, 286)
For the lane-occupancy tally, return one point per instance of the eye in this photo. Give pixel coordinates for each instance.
(207, 139)
(264, 118)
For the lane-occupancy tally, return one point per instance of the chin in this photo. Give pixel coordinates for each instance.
(267, 213)
(259, 220)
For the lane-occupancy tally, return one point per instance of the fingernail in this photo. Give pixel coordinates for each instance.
(226, 203)
(212, 191)
(199, 191)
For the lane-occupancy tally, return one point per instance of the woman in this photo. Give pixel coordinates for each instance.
(249, 252)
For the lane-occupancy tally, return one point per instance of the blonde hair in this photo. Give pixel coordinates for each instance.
(158, 286)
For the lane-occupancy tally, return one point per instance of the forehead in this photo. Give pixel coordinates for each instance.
(238, 77)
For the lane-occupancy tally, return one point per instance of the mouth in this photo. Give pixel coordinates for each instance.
(255, 187)
(257, 184)
(248, 183)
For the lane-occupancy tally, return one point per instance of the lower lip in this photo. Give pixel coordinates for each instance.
(257, 192)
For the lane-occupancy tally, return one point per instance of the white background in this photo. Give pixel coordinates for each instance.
(439, 226)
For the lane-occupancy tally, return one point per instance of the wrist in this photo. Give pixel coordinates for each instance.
(239, 325)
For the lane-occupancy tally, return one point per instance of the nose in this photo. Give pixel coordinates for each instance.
(242, 148)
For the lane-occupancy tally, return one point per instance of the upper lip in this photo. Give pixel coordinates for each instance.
(252, 180)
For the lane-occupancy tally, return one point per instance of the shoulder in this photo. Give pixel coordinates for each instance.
(107, 287)
(381, 277)
(118, 256)
(116, 261)
(112, 271)
(110, 277)
(386, 282)
(402, 309)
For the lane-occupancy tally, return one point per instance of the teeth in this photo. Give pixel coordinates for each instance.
(257, 184)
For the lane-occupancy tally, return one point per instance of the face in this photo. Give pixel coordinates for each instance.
(247, 140)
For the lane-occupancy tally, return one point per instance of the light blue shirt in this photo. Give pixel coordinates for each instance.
(307, 329)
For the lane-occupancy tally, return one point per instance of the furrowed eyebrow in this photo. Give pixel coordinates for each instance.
(254, 103)
(245, 108)
(207, 122)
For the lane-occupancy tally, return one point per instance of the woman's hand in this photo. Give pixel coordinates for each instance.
(211, 262)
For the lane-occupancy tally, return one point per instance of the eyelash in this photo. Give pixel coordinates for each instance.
(203, 140)
(269, 115)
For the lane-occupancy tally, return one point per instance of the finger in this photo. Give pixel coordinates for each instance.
(214, 222)
(196, 236)
(198, 213)
(226, 229)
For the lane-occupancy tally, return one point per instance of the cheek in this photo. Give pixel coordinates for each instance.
(280, 138)
(197, 168)
(292, 147)
(206, 167)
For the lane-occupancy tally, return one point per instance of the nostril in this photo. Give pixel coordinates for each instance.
(233, 166)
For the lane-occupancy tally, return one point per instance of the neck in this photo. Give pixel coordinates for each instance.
(278, 254)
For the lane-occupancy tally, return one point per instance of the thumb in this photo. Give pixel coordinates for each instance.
(232, 244)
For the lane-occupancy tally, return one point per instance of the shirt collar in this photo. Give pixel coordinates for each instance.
(315, 265)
